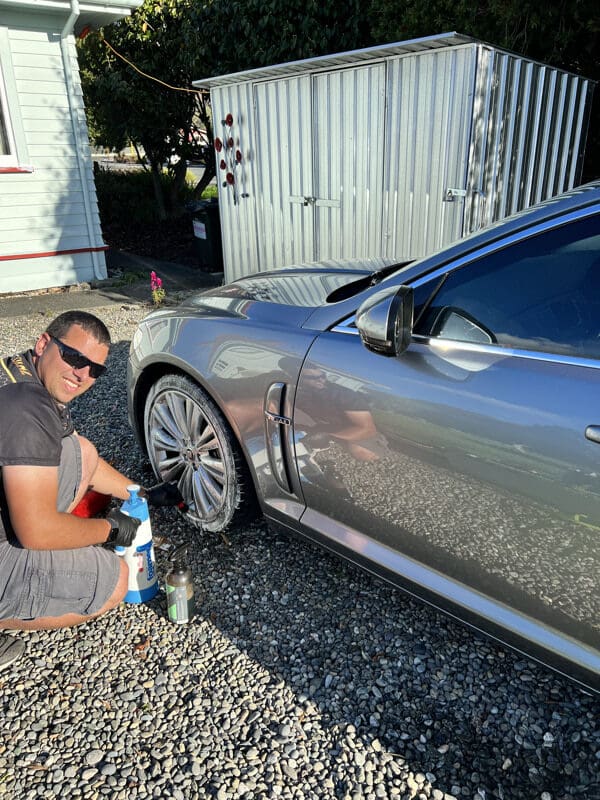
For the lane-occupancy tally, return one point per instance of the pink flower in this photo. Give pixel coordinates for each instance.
(238, 156)
(156, 289)
(218, 145)
(222, 164)
(229, 178)
(229, 120)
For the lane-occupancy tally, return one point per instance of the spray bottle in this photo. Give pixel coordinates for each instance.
(180, 588)
(139, 556)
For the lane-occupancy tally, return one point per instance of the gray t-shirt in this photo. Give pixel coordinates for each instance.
(32, 423)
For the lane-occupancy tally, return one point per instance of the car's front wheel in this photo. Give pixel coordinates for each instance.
(189, 441)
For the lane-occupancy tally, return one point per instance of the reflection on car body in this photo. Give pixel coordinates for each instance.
(437, 424)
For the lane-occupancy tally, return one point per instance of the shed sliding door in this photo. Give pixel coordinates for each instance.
(320, 150)
(428, 132)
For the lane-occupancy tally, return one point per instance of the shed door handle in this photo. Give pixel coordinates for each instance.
(592, 432)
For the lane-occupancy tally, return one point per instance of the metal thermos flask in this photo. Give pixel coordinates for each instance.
(179, 587)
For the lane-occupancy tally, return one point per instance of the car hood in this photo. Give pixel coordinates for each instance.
(304, 285)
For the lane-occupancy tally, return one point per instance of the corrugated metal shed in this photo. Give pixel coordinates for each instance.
(389, 151)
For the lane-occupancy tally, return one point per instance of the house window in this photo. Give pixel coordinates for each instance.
(4, 148)
(8, 155)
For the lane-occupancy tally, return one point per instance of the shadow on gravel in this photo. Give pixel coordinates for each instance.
(395, 673)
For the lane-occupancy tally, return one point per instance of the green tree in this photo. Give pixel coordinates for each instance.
(136, 77)
(242, 34)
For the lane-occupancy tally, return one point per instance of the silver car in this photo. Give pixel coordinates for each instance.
(437, 422)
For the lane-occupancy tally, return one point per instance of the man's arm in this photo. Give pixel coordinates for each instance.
(108, 480)
(31, 494)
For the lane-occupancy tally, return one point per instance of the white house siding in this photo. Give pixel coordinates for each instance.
(51, 211)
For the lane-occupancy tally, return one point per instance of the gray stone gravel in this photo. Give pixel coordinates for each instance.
(301, 677)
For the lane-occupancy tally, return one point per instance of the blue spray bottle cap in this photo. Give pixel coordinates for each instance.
(135, 506)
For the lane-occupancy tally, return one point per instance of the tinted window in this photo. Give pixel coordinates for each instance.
(540, 294)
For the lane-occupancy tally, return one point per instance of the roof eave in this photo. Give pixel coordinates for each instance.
(424, 43)
(90, 14)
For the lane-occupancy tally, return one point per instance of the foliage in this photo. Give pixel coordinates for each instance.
(241, 34)
(124, 105)
(560, 32)
(210, 191)
(129, 278)
(127, 195)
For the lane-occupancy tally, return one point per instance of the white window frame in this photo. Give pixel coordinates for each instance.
(9, 109)
(7, 159)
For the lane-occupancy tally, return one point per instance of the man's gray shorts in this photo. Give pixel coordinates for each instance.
(50, 583)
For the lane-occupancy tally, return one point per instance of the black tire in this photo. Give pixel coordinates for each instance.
(189, 441)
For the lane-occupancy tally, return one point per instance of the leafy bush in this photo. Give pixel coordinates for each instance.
(129, 195)
(210, 191)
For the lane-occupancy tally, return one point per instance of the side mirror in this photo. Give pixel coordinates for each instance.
(385, 319)
(454, 323)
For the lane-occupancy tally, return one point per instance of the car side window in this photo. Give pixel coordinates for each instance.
(542, 294)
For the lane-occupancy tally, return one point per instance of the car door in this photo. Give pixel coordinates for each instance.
(470, 465)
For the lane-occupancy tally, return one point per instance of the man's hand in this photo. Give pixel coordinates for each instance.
(163, 494)
(123, 527)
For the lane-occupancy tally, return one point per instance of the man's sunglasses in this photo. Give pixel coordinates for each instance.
(77, 360)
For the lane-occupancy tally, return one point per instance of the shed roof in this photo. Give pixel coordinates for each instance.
(451, 39)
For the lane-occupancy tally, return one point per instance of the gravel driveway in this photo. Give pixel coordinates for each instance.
(301, 677)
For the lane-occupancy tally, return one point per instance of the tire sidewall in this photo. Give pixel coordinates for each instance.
(181, 384)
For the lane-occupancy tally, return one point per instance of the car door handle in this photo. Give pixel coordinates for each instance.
(592, 432)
